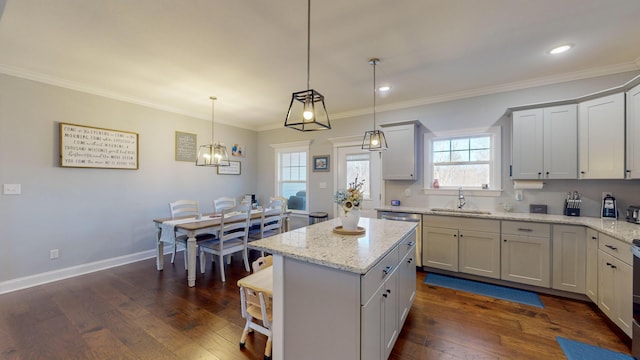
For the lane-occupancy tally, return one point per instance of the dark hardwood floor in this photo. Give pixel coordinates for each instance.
(136, 312)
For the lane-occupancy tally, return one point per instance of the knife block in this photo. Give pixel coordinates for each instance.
(569, 211)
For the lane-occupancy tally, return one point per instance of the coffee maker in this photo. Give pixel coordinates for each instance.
(609, 207)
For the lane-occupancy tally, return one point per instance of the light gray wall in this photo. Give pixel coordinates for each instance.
(96, 214)
(476, 112)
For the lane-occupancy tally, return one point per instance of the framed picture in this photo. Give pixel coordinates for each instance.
(321, 163)
(186, 146)
(93, 147)
(233, 169)
(238, 150)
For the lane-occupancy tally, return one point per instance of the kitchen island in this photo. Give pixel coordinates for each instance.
(341, 296)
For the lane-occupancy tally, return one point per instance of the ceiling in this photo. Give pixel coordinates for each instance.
(252, 54)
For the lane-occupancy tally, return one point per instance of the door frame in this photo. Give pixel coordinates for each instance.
(343, 141)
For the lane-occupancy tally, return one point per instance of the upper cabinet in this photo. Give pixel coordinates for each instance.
(601, 132)
(544, 143)
(400, 159)
(633, 133)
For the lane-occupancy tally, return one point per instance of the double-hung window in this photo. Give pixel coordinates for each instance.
(291, 174)
(468, 159)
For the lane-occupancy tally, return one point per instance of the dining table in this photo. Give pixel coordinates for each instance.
(168, 228)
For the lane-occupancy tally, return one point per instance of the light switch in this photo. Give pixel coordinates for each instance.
(323, 185)
(12, 189)
(519, 195)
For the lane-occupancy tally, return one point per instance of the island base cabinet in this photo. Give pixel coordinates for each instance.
(406, 284)
(380, 321)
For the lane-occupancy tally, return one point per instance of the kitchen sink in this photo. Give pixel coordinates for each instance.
(462, 211)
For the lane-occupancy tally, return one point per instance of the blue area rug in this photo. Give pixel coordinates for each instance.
(476, 287)
(575, 350)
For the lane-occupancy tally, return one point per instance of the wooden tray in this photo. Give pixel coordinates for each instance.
(339, 230)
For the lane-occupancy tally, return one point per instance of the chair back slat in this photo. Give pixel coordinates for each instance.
(184, 208)
(223, 203)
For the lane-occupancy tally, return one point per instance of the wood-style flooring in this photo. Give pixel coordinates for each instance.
(137, 312)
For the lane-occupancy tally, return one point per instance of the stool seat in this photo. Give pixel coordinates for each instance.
(316, 217)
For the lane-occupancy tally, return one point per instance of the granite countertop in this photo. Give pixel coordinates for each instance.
(318, 244)
(618, 229)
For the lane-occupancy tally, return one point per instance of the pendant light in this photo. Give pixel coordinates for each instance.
(307, 111)
(374, 140)
(214, 154)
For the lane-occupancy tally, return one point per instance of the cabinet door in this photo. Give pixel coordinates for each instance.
(601, 126)
(526, 154)
(592, 265)
(624, 296)
(371, 327)
(560, 142)
(479, 253)
(569, 258)
(525, 259)
(606, 285)
(390, 329)
(406, 285)
(399, 160)
(440, 248)
(633, 133)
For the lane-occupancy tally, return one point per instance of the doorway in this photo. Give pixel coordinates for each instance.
(352, 162)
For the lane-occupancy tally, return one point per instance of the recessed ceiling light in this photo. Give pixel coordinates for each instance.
(560, 49)
(384, 88)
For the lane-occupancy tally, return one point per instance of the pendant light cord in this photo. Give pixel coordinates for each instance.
(308, 44)
(374, 94)
(213, 101)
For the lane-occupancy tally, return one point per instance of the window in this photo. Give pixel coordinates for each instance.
(358, 165)
(291, 174)
(466, 159)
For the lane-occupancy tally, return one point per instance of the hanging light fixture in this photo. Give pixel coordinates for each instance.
(214, 154)
(374, 140)
(307, 111)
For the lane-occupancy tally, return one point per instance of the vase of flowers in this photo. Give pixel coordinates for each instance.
(350, 199)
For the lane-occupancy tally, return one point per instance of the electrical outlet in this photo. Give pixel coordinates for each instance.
(519, 195)
(407, 192)
(54, 254)
(12, 189)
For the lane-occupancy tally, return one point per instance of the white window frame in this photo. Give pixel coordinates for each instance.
(298, 146)
(495, 188)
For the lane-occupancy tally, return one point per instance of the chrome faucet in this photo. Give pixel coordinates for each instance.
(461, 200)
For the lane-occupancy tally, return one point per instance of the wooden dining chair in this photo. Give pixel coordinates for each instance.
(232, 238)
(185, 208)
(270, 222)
(223, 203)
(257, 309)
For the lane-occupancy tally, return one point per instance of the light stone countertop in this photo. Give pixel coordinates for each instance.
(318, 244)
(618, 229)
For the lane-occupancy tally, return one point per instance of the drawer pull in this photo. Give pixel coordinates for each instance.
(410, 244)
(387, 270)
(525, 229)
(611, 266)
(388, 291)
(611, 247)
(385, 295)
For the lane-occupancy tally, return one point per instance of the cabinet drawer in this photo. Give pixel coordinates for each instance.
(526, 228)
(378, 274)
(616, 248)
(407, 244)
(461, 223)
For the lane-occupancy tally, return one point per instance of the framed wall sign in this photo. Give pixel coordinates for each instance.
(92, 147)
(186, 146)
(321, 163)
(233, 169)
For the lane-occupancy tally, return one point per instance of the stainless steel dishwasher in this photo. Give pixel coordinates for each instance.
(411, 217)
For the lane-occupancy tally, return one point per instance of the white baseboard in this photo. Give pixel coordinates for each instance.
(55, 275)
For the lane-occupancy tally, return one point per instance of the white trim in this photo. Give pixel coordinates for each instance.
(467, 192)
(73, 271)
(293, 144)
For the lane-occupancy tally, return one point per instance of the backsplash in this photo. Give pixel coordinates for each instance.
(553, 194)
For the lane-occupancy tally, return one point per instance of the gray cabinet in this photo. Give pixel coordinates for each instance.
(526, 253)
(633, 134)
(592, 265)
(545, 143)
(569, 258)
(399, 161)
(615, 281)
(601, 138)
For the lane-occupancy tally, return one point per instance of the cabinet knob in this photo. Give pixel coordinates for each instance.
(594, 238)
(388, 291)
(505, 240)
(385, 295)
(547, 173)
(539, 173)
(455, 235)
(410, 260)
(582, 172)
(461, 235)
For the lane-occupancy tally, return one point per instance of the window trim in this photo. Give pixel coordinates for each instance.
(297, 146)
(495, 188)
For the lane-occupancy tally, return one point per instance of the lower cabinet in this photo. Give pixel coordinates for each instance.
(526, 253)
(384, 310)
(440, 248)
(592, 265)
(615, 281)
(569, 258)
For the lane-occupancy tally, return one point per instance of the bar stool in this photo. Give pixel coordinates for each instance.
(316, 217)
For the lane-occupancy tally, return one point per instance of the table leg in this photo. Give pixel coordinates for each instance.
(191, 259)
(159, 250)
